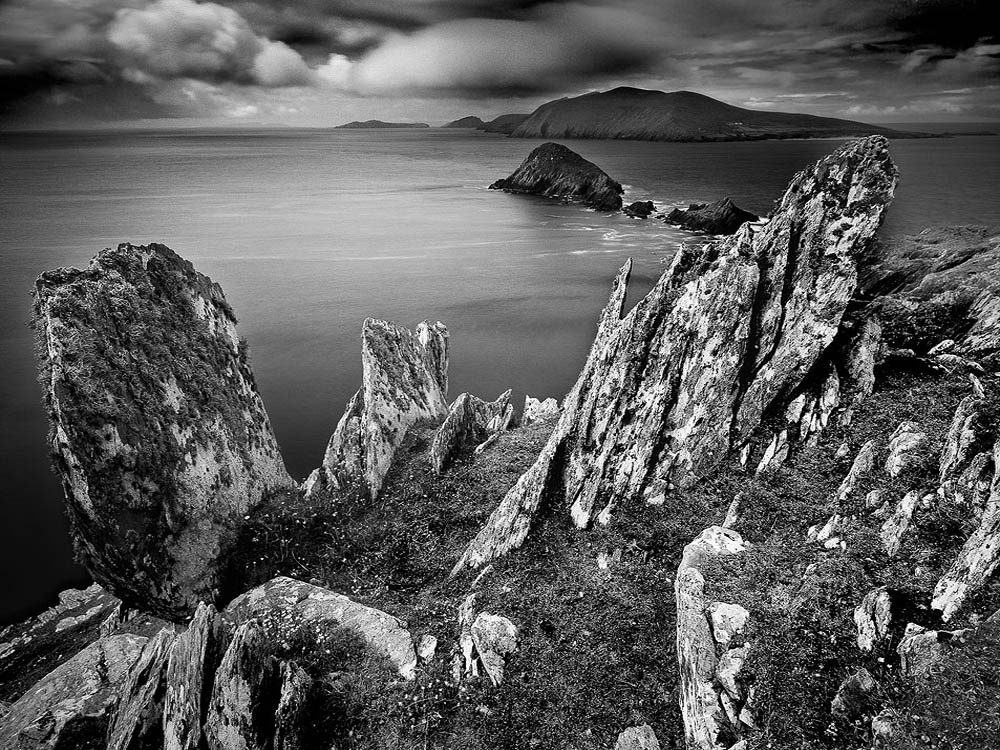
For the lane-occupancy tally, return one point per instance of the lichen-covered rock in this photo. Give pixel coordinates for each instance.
(34, 647)
(920, 649)
(292, 702)
(873, 617)
(404, 381)
(721, 217)
(979, 556)
(904, 448)
(554, 171)
(157, 429)
(470, 421)
(863, 465)
(863, 353)
(194, 657)
(71, 706)
(244, 697)
(538, 411)
(641, 737)
(284, 607)
(495, 638)
(727, 334)
(895, 526)
(138, 715)
(710, 647)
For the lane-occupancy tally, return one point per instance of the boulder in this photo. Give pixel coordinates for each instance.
(904, 448)
(285, 607)
(979, 556)
(873, 616)
(495, 638)
(855, 696)
(920, 649)
(470, 422)
(639, 209)
(710, 648)
(157, 430)
(405, 381)
(721, 217)
(72, 705)
(538, 411)
(726, 335)
(554, 171)
(641, 737)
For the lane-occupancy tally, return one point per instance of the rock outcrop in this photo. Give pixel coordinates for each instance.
(554, 171)
(855, 696)
(285, 607)
(495, 639)
(157, 429)
(721, 217)
(641, 737)
(404, 381)
(470, 422)
(727, 335)
(138, 716)
(872, 617)
(538, 411)
(711, 650)
(920, 649)
(72, 705)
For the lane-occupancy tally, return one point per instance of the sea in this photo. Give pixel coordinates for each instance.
(311, 231)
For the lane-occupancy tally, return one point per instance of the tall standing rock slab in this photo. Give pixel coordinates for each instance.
(157, 429)
(554, 171)
(726, 335)
(710, 647)
(404, 381)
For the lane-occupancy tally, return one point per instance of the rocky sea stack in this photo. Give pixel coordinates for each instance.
(721, 217)
(767, 515)
(554, 171)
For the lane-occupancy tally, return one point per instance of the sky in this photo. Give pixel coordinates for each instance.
(324, 62)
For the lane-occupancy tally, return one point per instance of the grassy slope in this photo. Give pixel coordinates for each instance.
(596, 647)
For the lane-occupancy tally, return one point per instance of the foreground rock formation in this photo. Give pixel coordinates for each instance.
(404, 380)
(721, 217)
(554, 171)
(157, 429)
(728, 334)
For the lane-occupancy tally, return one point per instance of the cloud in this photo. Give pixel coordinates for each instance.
(558, 45)
(185, 39)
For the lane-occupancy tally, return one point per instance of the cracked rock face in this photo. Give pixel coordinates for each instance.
(157, 429)
(404, 381)
(710, 647)
(726, 335)
(554, 171)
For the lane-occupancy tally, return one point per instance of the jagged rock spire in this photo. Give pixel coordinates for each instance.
(726, 334)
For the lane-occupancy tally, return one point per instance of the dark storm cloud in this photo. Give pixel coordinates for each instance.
(821, 53)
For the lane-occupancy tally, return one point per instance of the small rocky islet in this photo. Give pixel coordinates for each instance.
(766, 515)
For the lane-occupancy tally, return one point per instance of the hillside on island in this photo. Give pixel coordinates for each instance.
(766, 515)
(470, 122)
(641, 114)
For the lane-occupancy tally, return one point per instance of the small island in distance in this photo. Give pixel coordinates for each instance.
(627, 113)
(373, 124)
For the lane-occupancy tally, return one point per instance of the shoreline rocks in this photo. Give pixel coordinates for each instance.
(721, 217)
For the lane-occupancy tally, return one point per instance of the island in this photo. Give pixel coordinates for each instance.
(375, 124)
(647, 115)
(467, 123)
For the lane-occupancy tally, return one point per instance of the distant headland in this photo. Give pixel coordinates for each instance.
(370, 124)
